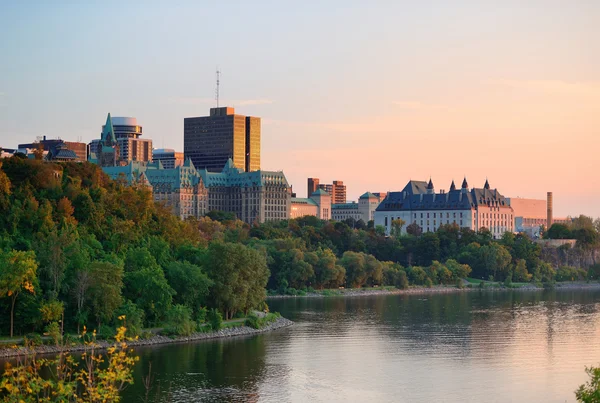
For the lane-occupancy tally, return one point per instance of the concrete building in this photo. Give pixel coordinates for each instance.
(210, 141)
(318, 204)
(7, 152)
(313, 185)
(468, 208)
(363, 210)
(531, 214)
(168, 157)
(337, 189)
(256, 196)
(71, 150)
(300, 207)
(120, 143)
(181, 188)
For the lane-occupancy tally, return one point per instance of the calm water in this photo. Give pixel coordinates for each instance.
(478, 347)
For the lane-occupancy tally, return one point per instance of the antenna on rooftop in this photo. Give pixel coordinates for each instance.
(217, 90)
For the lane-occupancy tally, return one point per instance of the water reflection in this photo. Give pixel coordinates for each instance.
(502, 346)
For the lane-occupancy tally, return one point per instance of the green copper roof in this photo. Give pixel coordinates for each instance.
(302, 200)
(320, 192)
(108, 133)
(232, 176)
(340, 206)
(368, 195)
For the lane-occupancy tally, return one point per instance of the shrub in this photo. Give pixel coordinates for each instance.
(106, 332)
(215, 319)
(201, 315)
(53, 330)
(428, 283)
(134, 318)
(32, 339)
(459, 283)
(253, 321)
(508, 281)
(180, 321)
(482, 284)
(311, 290)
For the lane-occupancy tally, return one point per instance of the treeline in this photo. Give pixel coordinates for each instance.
(78, 249)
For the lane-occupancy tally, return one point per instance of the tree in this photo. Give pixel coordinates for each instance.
(17, 273)
(397, 225)
(459, 271)
(190, 283)
(558, 231)
(240, 275)
(495, 259)
(105, 289)
(148, 289)
(520, 272)
(414, 229)
(355, 265)
(589, 392)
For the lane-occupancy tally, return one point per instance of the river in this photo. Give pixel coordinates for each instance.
(521, 346)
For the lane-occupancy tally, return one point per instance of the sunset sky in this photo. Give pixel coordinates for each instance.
(373, 93)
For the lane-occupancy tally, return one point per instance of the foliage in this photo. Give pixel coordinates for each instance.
(99, 378)
(17, 273)
(215, 319)
(589, 392)
(179, 321)
(256, 322)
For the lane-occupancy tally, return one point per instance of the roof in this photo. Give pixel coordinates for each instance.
(320, 192)
(340, 206)
(232, 176)
(457, 199)
(108, 132)
(368, 195)
(415, 187)
(300, 200)
(63, 153)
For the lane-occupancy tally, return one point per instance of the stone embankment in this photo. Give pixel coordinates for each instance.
(351, 292)
(155, 340)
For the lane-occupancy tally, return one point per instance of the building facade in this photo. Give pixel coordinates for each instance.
(76, 151)
(533, 214)
(318, 205)
(210, 141)
(168, 157)
(313, 185)
(181, 188)
(336, 189)
(120, 143)
(468, 208)
(254, 197)
(363, 210)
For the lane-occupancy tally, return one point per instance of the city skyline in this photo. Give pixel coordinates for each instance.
(462, 95)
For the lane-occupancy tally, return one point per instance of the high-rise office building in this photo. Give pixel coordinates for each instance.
(168, 157)
(313, 185)
(122, 134)
(337, 190)
(210, 141)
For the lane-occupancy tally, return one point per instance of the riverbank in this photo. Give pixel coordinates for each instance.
(154, 340)
(439, 289)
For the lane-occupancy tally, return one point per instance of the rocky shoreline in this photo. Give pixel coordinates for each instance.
(155, 340)
(437, 290)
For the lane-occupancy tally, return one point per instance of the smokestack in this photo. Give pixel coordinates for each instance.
(549, 210)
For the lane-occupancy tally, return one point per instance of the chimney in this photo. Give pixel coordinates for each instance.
(549, 210)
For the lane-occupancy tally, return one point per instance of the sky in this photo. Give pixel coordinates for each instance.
(373, 93)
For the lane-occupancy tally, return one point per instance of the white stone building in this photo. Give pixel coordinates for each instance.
(419, 204)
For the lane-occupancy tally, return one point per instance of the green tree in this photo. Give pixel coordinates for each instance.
(355, 265)
(17, 273)
(106, 282)
(240, 275)
(190, 283)
(520, 271)
(495, 259)
(148, 289)
(589, 392)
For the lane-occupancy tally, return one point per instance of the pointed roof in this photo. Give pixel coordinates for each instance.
(487, 184)
(368, 195)
(430, 184)
(452, 186)
(108, 133)
(465, 185)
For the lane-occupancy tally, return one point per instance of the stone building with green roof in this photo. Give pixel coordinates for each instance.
(181, 188)
(255, 196)
(363, 210)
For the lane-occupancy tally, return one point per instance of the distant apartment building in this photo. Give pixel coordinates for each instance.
(337, 189)
(254, 197)
(210, 141)
(363, 210)
(168, 157)
(120, 143)
(419, 204)
(56, 149)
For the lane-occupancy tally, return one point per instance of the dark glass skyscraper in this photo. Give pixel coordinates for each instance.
(209, 141)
